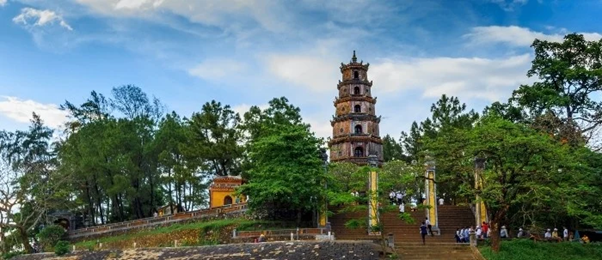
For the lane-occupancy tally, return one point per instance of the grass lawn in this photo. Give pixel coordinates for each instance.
(241, 224)
(529, 250)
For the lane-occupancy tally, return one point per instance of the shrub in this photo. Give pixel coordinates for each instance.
(61, 248)
(50, 235)
(10, 255)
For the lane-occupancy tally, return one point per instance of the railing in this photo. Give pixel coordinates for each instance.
(158, 220)
(281, 232)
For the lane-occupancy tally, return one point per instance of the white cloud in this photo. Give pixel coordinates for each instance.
(2, 2)
(21, 111)
(226, 14)
(36, 17)
(516, 36)
(217, 69)
(509, 5)
(241, 109)
(313, 73)
(488, 79)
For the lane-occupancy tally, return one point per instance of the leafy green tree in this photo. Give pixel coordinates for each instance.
(569, 82)
(215, 139)
(287, 171)
(28, 181)
(392, 150)
(284, 165)
(522, 165)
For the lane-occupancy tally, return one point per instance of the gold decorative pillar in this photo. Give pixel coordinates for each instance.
(480, 209)
(323, 211)
(373, 193)
(431, 195)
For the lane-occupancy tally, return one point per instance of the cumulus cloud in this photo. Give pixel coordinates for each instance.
(21, 111)
(217, 69)
(36, 17)
(516, 36)
(313, 73)
(2, 2)
(481, 78)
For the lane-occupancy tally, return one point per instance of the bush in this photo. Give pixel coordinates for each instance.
(528, 250)
(61, 248)
(10, 255)
(50, 235)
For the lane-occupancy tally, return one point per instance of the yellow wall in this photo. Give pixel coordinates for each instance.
(217, 198)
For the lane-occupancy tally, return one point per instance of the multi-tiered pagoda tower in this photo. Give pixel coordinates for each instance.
(355, 131)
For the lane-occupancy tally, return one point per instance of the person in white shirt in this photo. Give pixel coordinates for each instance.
(479, 233)
(548, 234)
(402, 207)
(399, 197)
(440, 201)
(392, 197)
(504, 232)
(428, 225)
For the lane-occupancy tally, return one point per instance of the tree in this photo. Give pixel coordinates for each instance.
(287, 172)
(215, 139)
(521, 165)
(569, 80)
(283, 162)
(29, 184)
(392, 150)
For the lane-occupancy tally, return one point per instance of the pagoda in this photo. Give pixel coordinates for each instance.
(355, 126)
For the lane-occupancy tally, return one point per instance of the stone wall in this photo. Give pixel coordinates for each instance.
(272, 250)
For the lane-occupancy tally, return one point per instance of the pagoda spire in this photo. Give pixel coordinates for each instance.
(354, 59)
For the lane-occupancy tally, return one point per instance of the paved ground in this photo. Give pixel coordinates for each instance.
(272, 250)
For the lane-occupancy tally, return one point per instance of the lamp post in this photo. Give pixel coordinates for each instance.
(373, 193)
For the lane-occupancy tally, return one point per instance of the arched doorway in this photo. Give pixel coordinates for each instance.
(358, 129)
(357, 109)
(227, 200)
(359, 152)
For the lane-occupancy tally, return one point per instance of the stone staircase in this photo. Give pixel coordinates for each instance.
(408, 241)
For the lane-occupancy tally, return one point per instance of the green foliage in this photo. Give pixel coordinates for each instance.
(62, 248)
(569, 82)
(520, 249)
(392, 150)
(50, 235)
(12, 254)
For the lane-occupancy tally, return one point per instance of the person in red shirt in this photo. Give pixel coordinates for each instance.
(484, 228)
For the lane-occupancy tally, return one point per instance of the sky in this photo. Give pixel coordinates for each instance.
(246, 52)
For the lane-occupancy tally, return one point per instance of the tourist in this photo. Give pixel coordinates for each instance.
(399, 196)
(555, 234)
(565, 234)
(402, 207)
(392, 197)
(584, 239)
(428, 224)
(548, 234)
(261, 238)
(485, 228)
(503, 232)
(520, 233)
(458, 236)
(479, 233)
(466, 234)
(423, 232)
(441, 201)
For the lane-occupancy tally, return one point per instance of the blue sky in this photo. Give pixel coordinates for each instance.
(244, 53)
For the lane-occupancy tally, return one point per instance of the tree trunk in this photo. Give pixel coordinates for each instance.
(495, 227)
(25, 240)
(299, 215)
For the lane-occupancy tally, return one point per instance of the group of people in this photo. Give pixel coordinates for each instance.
(425, 229)
(481, 232)
(554, 234)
